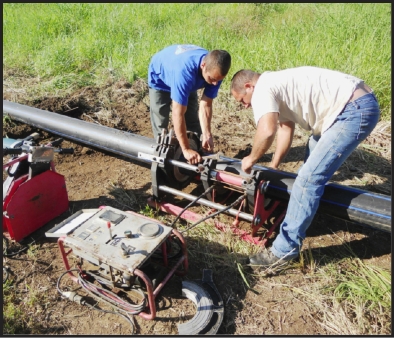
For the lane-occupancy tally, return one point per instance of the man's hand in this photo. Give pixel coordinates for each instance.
(247, 164)
(207, 143)
(193, 157)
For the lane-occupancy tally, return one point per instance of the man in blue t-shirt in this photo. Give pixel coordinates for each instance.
(174, 76)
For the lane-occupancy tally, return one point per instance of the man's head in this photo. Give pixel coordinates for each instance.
(242, 86)
(215, 66)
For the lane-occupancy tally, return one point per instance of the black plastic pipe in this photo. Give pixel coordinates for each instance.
(94, 135)
(341, 201)
(348, 203)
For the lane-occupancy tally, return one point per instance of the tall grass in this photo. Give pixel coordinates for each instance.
(90, 39)
(357, 298)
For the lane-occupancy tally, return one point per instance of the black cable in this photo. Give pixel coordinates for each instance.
(158, 252)
(173, 249)
(5, 269)
(104, 295)
(5, 254)
(239, 199)
(193, 202)
(59, 279)
(115, 313)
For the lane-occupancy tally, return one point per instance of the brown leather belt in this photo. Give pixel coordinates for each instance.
(361, 90)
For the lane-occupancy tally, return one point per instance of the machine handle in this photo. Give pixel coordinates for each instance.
(12, 151)
(18, 151)
(65, 151)
(56, 143)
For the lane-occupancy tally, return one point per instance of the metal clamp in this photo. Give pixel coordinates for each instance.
(152, 158)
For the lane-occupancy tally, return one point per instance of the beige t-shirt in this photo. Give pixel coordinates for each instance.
(310, 96)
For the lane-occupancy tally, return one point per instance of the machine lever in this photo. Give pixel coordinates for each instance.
(127, 250)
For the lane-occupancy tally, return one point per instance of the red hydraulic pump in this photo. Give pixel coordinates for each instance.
(33, 193)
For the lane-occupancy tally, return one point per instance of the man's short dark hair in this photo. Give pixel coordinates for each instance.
(220, 59)
(240, 78)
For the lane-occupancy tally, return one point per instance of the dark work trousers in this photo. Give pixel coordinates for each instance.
(160, 107)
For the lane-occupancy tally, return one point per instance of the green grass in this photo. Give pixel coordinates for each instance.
(367, 284)
(12, 312)
(15, 320)
(81, 43)
(363, 292)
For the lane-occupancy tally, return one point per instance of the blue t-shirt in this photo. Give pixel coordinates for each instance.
(176, 69)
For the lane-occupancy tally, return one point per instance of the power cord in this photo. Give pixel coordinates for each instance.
(101, 294)
(111, 298)
(6, 269)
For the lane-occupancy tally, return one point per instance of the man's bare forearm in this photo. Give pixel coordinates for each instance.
(261, 145)
(264, 137)
(178, 119)
(283, 143)
(205, 115)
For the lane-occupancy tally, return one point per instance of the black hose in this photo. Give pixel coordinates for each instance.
(191, 203)
(12, 151)
(239, 199)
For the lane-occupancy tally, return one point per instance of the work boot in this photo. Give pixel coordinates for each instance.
(265, 258)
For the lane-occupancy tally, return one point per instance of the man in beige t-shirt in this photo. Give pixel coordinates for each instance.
(339, 109)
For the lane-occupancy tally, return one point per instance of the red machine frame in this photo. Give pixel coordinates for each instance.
(260, 217)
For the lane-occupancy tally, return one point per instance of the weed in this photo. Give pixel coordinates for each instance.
(7, 121)
(306, 261)
(363, 292)
(13, 314)
(148, 212)
(33, 250)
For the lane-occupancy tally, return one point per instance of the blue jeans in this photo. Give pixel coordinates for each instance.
(324, 156)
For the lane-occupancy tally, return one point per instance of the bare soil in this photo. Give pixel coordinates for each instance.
(95, 178)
